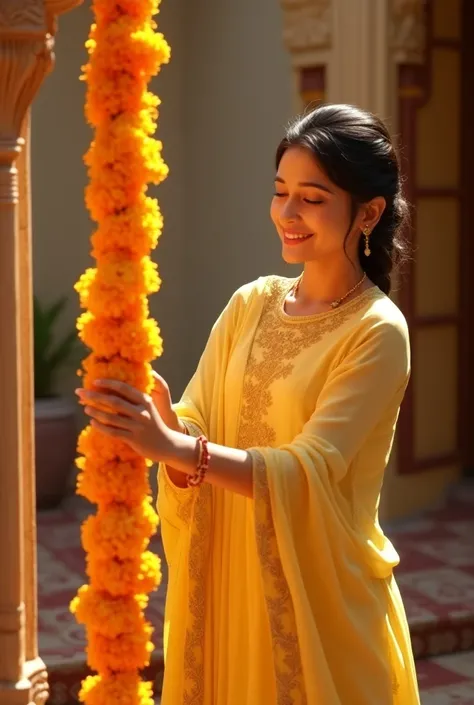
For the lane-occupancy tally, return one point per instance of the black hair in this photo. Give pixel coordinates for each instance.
(355, 150)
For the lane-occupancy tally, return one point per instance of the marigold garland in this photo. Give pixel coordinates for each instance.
(125, 51)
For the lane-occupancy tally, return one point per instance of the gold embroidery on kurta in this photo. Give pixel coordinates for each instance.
(194, 644)
(182, 500)
(193, 428)
(275, 349)
(286, 652)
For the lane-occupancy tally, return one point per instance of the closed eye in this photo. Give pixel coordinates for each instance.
(307, 200)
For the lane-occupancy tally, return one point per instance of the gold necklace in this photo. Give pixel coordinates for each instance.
(337, 302)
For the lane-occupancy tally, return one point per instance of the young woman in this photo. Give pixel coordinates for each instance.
(281, 587)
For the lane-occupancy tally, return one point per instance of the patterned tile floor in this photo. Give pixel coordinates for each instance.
(436, 577)
(447, 680)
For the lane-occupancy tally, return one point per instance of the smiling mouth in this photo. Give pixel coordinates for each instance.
(296, 238)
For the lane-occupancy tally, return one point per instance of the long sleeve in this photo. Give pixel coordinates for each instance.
(199, 408)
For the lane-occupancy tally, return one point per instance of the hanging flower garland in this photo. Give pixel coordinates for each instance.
(125, 51)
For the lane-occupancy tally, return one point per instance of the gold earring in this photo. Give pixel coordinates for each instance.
(366, 232)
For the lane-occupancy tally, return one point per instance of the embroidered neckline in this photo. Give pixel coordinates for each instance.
(373, 292)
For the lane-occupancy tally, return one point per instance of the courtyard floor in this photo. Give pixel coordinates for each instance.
(436, 577)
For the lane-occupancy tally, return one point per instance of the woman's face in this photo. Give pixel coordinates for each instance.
(310, 213)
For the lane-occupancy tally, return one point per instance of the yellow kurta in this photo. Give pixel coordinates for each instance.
(289, 598)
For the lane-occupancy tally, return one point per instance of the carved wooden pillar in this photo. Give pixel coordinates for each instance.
(27, 394)
(26, 45)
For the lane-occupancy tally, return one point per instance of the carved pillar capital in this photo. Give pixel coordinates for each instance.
(25, 58)
(26, 55)
(407, 31)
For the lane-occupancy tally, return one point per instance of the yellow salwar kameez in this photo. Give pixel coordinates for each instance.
(288, 598)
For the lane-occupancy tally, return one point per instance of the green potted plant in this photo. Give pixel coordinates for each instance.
(55, 416)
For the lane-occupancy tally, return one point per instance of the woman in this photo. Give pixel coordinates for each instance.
(280, 578)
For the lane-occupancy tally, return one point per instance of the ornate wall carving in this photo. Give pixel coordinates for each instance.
(306, 24)
(407, 30)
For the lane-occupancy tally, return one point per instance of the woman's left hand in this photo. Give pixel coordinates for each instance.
(121, 411)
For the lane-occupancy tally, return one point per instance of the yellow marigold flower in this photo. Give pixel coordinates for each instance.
(119, 530)
(119, 287)
(126, 652)
(120, 274)
(121, 689)
(107, 615)
(133, 340)
(129, 576)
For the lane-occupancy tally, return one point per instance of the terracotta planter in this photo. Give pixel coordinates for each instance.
(55, 439)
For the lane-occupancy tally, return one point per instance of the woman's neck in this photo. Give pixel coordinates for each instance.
(323, 284)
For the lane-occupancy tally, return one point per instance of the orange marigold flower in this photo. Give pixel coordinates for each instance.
(135, 230)
(107, 615)
(141, 574)
(120, 689)
(123, 149)
(119, 530)
(126, 652)
(124, 46)
(110, 10)
(102, 448)
(124, 52)
(112, 481)
(111, 96)
(131, 339)
(94, 444)
(137, 374)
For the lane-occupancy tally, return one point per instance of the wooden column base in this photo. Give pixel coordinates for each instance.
(32, 689)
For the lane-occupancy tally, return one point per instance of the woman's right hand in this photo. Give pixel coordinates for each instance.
(162, 400)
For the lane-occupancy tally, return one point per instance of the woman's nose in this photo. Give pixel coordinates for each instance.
(290, 211)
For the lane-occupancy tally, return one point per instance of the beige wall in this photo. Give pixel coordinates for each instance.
(238, 97)
(226, 97)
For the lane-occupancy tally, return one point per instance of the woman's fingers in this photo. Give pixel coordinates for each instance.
(124, 390)
(111, 430)
(160, 384)
(106, 419)
(111, 402)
